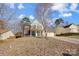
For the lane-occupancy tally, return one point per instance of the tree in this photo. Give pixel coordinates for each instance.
(58, 21)
(3, 9)
(42, 12)
(25, 22)
(6, 13)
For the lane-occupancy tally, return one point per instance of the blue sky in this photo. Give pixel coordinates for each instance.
(68, 11)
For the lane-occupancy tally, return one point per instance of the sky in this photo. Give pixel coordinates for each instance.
(69, 12)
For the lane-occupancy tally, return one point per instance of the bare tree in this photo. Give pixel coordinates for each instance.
(6, 13)
(42, 12)
(3, 10)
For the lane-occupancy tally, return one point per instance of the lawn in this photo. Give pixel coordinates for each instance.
(31, 46)
(75, 36)
(71, 35)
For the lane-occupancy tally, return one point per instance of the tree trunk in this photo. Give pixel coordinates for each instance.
(45, 33)
(23, 30)
(30, 31)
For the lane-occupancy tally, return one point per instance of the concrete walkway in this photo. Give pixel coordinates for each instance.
(67, 39)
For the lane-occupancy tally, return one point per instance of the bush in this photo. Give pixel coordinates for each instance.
(18, 34)
(68, 34)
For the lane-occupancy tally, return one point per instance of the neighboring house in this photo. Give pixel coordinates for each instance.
(4, 33)
(60, 30)
(71, 28)
(78, 27)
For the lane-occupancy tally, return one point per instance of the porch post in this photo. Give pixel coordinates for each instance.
(36, 33)
(30, 33)
(40, 34)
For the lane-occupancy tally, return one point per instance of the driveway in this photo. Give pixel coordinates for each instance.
(67, 39)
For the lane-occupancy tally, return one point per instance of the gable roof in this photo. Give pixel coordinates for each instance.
(67, 26)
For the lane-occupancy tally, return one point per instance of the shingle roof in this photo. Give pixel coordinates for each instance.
(67, 26)
(3, 31)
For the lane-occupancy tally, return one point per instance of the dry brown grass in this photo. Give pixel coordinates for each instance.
(36, 46)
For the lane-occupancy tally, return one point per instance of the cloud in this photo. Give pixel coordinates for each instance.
(21, 16)
(65, 9)
(12, 5)
(20, 6)
(54, 19)
(65, 15)
(60, 7)
(73, 6)
(31, 17)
